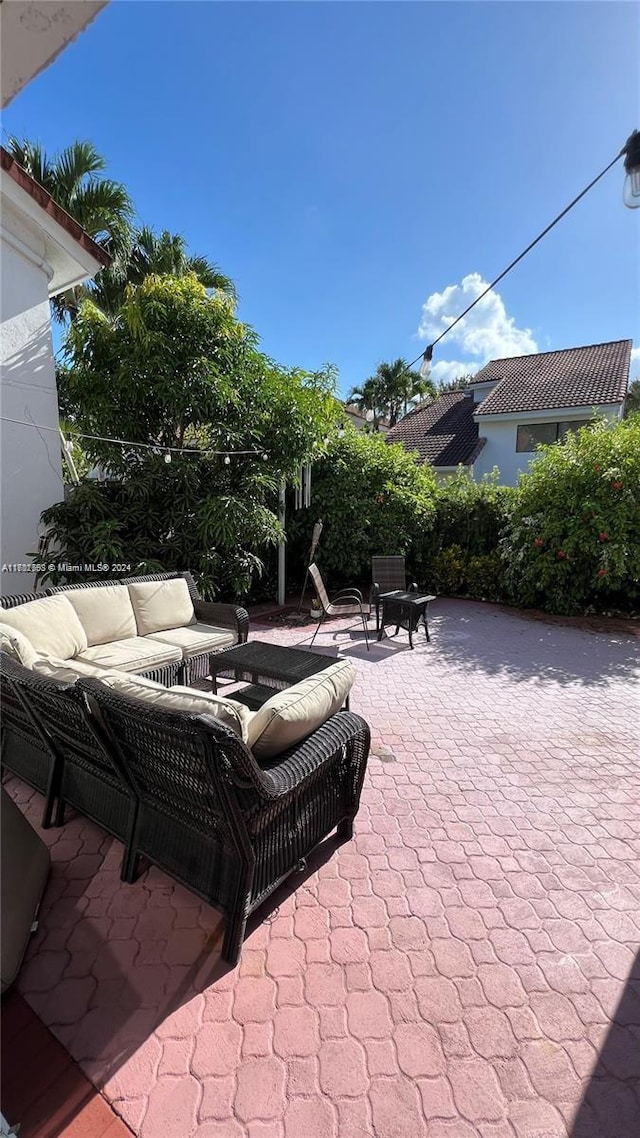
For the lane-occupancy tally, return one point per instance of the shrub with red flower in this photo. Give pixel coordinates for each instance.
(583, 496)
(539, 541)
(380, 499)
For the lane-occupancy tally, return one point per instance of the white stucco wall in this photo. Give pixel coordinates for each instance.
(30, 460)
(500, 434)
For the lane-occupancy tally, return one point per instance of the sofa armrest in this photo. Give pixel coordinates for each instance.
(294, 769)
(223, 616)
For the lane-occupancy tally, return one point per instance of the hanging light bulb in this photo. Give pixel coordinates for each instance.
(167, 457)
(631, 191)
(425, 365)
(227, 460)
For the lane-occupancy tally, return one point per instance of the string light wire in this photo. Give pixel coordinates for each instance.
(159, 448)
(428, 351)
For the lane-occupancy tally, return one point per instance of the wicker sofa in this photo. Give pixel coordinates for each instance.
(225, 799)
(178, 654)
(184, 789)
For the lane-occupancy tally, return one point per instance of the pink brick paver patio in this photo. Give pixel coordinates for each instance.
(466, 966)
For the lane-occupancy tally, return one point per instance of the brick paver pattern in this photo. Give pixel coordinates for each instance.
(463, 967)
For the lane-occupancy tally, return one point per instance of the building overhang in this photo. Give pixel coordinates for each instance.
(553, 414)
(42, 231)
(33, 34)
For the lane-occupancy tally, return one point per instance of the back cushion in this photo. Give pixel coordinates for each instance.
(291, 715)
(233, 714)
(161, 604)
(17, 645)
(106, 614)
(50, 625)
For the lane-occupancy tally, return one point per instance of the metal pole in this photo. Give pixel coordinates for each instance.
(281, 547)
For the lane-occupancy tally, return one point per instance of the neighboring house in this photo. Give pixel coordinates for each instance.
(514, 404)
(444, 433)
(360, 420)
(44, 252)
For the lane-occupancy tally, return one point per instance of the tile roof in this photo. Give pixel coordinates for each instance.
(444, 433)
(46, 202)
(574, 377)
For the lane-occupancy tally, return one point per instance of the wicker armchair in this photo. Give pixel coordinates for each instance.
(211, 817)
(75, 767)
(387, 575)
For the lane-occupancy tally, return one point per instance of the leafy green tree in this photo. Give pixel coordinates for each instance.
(76, 181)
(154, 254)
(175, 369)
(572, 539)
(373, 499)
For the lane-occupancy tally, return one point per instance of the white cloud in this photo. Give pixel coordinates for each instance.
(486, 333)
(635, 362)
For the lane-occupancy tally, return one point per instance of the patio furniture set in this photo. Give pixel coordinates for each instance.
(227, 795)
(393, 603)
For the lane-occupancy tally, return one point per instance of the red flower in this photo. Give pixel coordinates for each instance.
(602, 572)
(539, 541)
(616, 485)
(380, 499)
(562, 555)
(597, 468)
(603, 536)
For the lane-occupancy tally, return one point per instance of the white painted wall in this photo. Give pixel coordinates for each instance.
(30, 460)
(33, 34)
(500, 434)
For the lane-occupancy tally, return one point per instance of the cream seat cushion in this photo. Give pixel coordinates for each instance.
(66, 671)
(233, 714)
(137, 654)
(196, 639)
(50, 625)
(161, 604)
(296, 712)
(106, 613)
(17, 645)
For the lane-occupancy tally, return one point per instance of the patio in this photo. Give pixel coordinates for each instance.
(465, 966)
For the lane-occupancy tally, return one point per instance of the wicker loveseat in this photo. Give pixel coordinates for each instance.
(186, 790)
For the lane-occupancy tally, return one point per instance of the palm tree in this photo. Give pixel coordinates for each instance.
(75, 180)
(391, 391)
(368, 398)
(401, 387)
(154, 253)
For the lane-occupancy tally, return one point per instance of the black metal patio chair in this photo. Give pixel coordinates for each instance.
(387, 575)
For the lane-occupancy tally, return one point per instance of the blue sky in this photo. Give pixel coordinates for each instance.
(349, 163)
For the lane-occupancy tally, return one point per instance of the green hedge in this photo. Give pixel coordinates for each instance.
(572, 539)
(372, 498)
(566, 539)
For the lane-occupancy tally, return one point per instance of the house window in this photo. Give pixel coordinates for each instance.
(531, 435)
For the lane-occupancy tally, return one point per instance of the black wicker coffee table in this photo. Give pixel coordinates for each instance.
(405, 610)
(265, 668)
